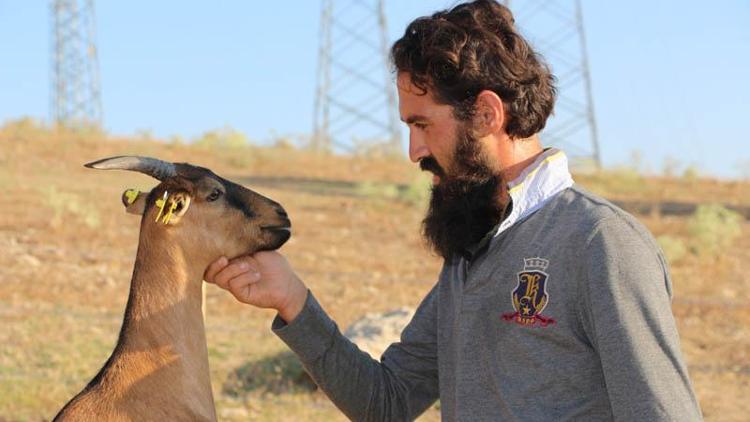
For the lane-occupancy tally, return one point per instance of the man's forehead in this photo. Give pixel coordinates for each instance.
(417, 105)
(415, 109)
(405, 84)
(412, 99)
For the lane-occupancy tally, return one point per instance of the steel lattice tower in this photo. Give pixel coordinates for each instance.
(555, 29)
(355, 101)
(76, 97)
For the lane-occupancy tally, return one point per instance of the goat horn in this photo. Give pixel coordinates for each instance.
(153, 167)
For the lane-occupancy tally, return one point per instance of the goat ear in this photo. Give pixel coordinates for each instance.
(134, 201)
(176, 207)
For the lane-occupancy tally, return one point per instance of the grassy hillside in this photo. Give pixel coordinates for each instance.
(68, 250)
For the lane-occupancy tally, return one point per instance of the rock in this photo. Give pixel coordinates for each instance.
(234, 413)
(30, 260)
(373, 333)
(108, 281)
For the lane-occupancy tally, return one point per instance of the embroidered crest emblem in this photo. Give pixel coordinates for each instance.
(530, 295)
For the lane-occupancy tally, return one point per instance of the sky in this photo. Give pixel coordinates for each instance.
(670, 79)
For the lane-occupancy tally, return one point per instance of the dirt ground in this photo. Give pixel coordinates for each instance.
(68, 249)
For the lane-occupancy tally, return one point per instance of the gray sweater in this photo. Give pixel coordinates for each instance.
(565, 315)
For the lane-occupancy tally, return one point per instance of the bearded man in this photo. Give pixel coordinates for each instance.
(552, 303)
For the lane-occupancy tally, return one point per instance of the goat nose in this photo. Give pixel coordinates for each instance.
(281, 212)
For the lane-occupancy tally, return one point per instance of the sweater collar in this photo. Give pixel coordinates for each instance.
(547, 176)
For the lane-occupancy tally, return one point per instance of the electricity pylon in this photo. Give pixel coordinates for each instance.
(555, 29)
(355, 101)
(76, 95)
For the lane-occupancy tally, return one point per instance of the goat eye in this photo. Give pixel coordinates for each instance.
(214, 195)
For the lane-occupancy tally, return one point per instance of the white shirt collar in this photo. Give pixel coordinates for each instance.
(547, 176)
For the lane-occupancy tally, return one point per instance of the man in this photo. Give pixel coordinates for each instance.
(552, 304)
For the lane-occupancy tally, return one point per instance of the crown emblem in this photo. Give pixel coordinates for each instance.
(535, 264)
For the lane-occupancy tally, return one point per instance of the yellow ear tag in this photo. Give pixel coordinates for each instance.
(172, 207)
(132, 195)
(160, 204)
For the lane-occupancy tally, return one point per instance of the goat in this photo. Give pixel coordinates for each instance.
(159, 367)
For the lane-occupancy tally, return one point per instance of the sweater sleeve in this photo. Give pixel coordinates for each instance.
(399, 387)
(628, 318)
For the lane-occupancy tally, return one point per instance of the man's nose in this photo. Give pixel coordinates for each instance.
(417, 148)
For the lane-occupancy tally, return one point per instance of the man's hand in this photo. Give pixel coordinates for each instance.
(265, 280)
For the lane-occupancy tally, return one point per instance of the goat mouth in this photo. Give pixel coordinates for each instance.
(276, 229)
(280, 235)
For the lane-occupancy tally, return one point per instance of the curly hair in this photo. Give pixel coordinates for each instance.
(472, 47)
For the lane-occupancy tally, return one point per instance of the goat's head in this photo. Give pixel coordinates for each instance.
(204, 213)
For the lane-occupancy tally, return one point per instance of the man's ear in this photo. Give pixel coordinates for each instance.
(134, 201)
(489, 115)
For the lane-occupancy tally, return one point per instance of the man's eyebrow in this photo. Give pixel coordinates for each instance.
(413, 118)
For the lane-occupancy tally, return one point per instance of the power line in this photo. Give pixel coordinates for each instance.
(76, 94)
(355, 100)
(556, 30)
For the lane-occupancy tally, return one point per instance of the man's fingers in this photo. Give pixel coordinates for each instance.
(241, 285)
(235, 269)
(214, 268)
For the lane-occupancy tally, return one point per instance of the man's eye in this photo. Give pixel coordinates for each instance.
(214, 195)
(420, 126)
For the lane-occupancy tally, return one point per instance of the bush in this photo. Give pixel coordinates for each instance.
(418, 191)
(674, 249)
(231, 145)
(374, 190)
(691, 173)
(226, 138)
(712, 229)
(24, 129)
(277, 374)
(619, 181)
(68, 204)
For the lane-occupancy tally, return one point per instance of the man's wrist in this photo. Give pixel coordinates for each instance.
(295, 304)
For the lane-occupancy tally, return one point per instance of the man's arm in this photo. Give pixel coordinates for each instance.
(399, 388)
(626, 310)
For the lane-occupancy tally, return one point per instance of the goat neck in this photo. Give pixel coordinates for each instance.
(161, 359)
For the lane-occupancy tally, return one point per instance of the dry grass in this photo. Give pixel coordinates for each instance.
(64, 279)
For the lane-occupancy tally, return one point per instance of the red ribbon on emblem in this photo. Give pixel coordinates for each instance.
(532, 320)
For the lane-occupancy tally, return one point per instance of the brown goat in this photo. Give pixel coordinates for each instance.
(159, 367)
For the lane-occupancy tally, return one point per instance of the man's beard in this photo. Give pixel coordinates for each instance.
(466, 204)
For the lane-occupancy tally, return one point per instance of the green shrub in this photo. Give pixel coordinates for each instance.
(277, 374)
(225, 138)
(618, 181)
(67, 204)
(674, 249)
(712, 229)
(417, 192)
(284, 143)
(231, 145)
(24, 129)
(176, 141)
(691, 173)
(375, 190)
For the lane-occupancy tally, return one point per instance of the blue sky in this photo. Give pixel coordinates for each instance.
(670, 78)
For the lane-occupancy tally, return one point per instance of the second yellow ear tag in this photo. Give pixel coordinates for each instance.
(172, 207)
(160, 204)
(132, 195)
